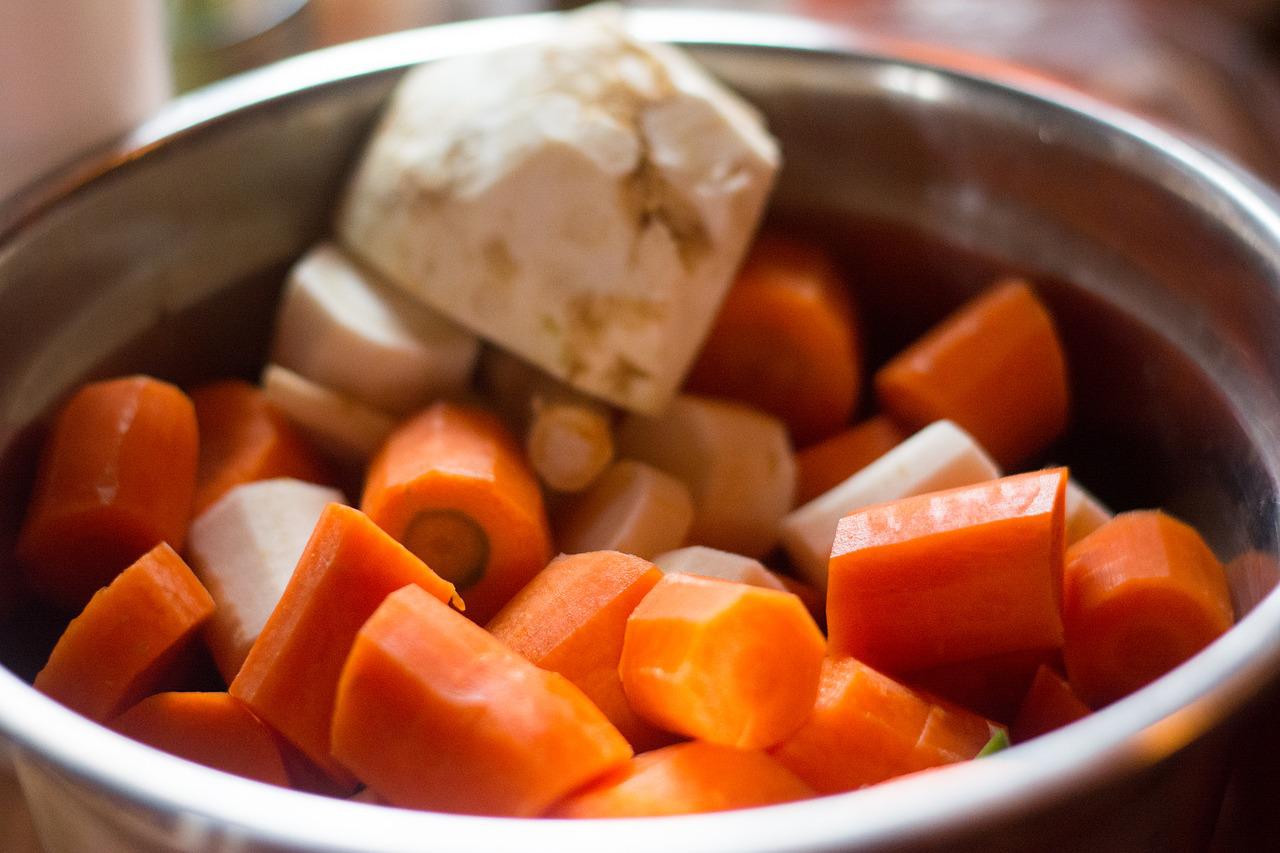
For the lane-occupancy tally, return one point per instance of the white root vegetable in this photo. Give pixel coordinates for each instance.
(940, 456)
(714, 563)
(244, 548)
(1084, 512)
(632, 507)
(342, 328)
(582, 201)
(736, 460)
(342, 427)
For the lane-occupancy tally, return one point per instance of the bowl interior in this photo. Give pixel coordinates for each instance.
(1157, 263)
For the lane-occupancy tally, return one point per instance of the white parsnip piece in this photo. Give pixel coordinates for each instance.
(244, 548)
(631, 507)
(343, 328)
(737, 462)
(581, 201)
(940, 456)
(342, 427)
(714, 563)
(1084, 512)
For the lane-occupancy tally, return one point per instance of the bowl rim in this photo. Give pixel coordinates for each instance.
(1124, 738)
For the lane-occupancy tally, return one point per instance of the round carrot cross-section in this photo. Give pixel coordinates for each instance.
(721, 661)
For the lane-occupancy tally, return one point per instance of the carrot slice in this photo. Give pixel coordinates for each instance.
(866, 728)
(291, 674)
(213, 729)
(117, 477)
(1141, 594)
(950, 576)
(434, 713)
(823, 466)
(992, 686)
(130, 638)
(452, 485)
(789, 294)
(243, 439)
(686, 778)
(721, 661)
(571, 619)
(1049, 705)
(995, 367)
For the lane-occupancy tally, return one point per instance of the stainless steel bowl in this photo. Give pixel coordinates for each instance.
(1161, 261)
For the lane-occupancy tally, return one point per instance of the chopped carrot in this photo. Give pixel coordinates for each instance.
(790, 295)
(686, 778)
(130, 639)
(243, 439)
(867, 728)
(1141, 594)
(1050, 704)
(434, 713)
(992, 686)
(721, 661)
(571, 619)
(631, 507)
(950, 576)
(995, 367)
(116, 478)
(213, 729)
(823, 466)
(291, 674)
(452, 485)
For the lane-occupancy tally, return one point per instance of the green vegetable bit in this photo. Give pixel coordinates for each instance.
(999, 741)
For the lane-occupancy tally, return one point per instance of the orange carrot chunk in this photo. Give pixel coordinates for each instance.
(291, 674)
(1049, 705)
(131, 637)
(823, 466)
(950, 576)
(1141, 594)
(686, 778)
(995, 367)
(434, 713)
(117, 477)
(866, 728)
(452, 485)
(243, 440)
(721, 661)
(786, 340)
(571, 619)
(213, 729)
(992, 686)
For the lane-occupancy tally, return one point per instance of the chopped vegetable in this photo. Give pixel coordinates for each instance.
(950, 576)
(343, 427)
(291, 674)
(940, 456)
(434, 713)
(344, 329)
(866, 728)
(213, 729)
(736, 461)
(1141, 594)
(571, 619)
(995, 367)
(998, 743)
(712, 563)
(790, 295)
(116, 478)
(993, 685)
(1049, 705)
(1084, 513)
(823, 466)
(131, 637)
(686, 778)
(632, 507)
(452, 485)
(721, 661)
(244, 549)
(243, 439)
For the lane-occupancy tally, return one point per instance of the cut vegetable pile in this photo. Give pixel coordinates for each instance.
(589, 573)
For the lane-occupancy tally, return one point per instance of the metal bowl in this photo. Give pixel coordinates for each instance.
(1161, 262)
